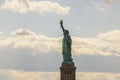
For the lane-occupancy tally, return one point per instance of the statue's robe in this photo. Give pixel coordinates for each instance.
(66, 49)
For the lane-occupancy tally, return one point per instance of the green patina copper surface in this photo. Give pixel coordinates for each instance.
(66, 46)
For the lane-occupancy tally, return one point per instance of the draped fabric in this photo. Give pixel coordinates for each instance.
(66, 49)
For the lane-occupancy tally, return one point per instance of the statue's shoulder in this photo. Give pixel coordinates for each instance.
(68, 37)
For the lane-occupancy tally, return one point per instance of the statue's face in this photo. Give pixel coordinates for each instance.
(66, 32)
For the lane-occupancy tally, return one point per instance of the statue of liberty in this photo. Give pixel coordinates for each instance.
(66, 45)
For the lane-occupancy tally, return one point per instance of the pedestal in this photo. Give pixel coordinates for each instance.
(67, 72)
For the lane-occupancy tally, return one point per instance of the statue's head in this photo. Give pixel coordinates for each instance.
(66, 32)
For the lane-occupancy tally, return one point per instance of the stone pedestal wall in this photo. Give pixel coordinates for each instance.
(68, 72)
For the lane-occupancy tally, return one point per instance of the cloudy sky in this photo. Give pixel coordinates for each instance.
(31, 37)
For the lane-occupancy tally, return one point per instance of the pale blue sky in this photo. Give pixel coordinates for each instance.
(93, 24)
(81, 21)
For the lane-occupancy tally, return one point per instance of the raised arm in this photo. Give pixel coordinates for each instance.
(61, 23)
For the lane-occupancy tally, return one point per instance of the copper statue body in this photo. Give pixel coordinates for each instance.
(66, 45)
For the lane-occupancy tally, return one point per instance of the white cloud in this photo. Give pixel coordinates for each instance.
(103, 44)
(1, 33)
(101, 6)
(110, 1)
(23, 38)
(23, 75)
(97, 76)
(22, 32)
(24, 6)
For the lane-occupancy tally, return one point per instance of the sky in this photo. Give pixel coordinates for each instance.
(31, 38)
